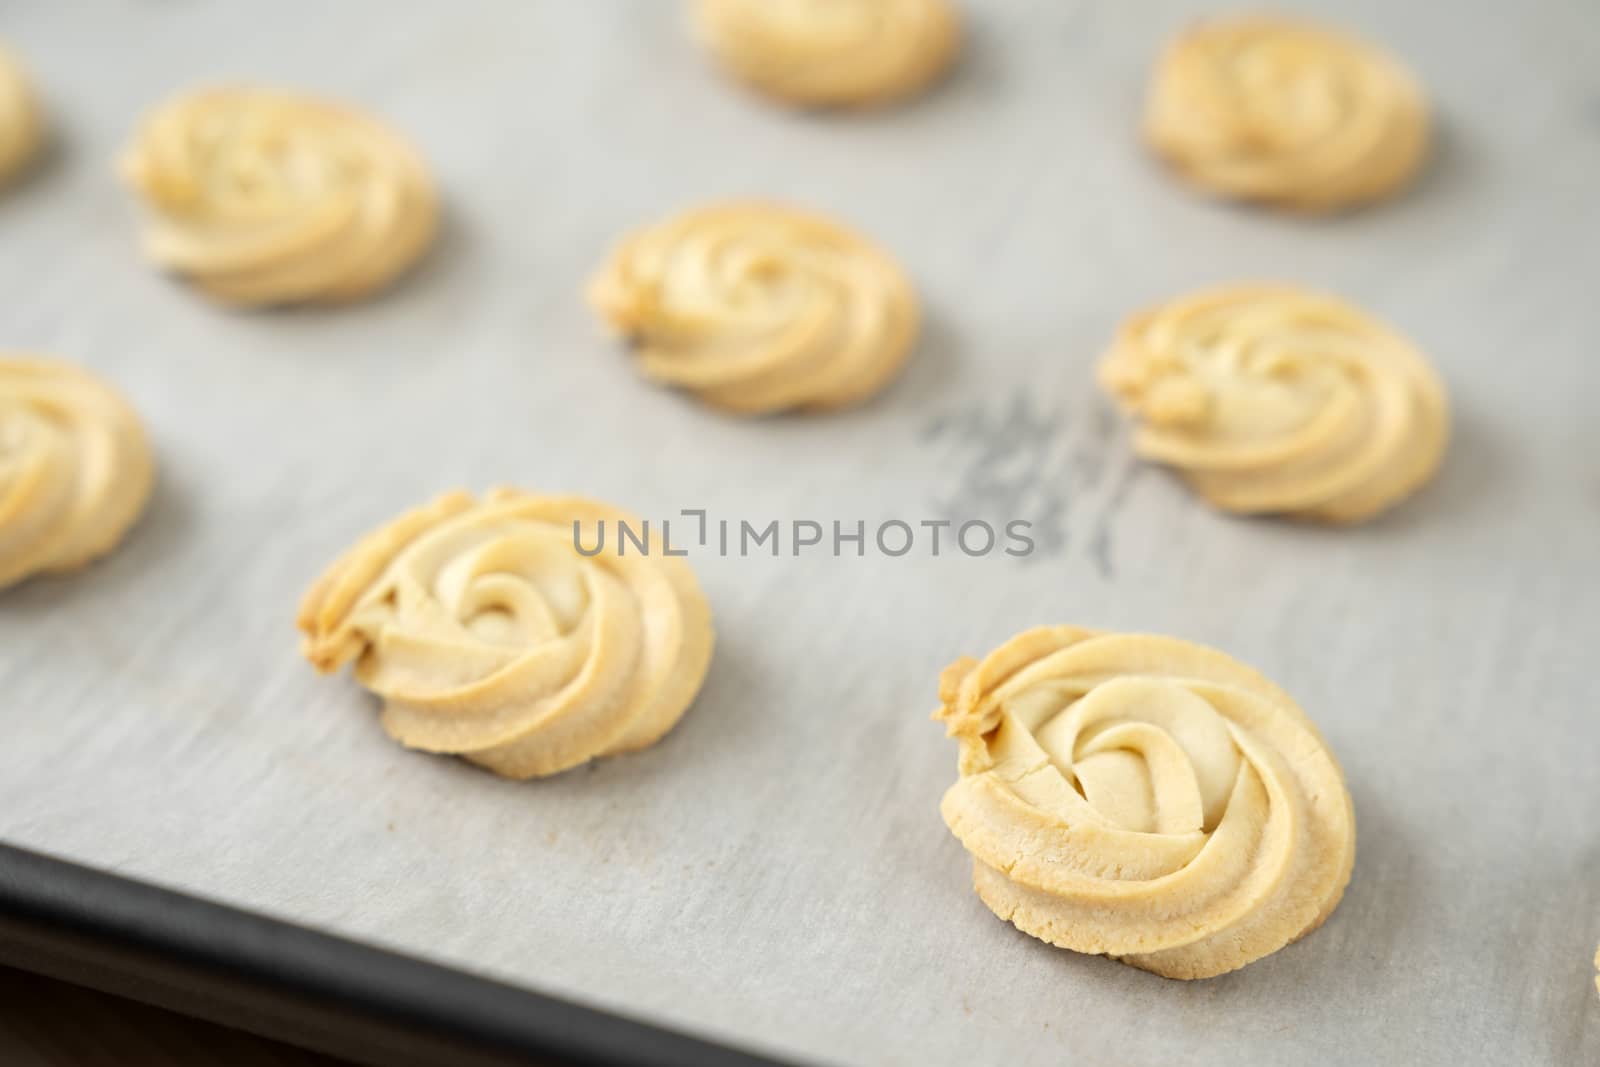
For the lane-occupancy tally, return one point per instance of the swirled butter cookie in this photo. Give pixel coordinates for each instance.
(1272, 399)
(1144, 798)
(1286, 113)
(75, 467)
(831, 53)
(758, 308)
(21, 126)
(266, 198)
(489, 635)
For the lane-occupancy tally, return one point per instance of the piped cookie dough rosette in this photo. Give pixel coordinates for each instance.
(759, 308)
(263, 198)
(21, 125)
(1144, 798)
(489, 635)
(75, 467)
(831, 53)
(1286, 113)
(1270, 399)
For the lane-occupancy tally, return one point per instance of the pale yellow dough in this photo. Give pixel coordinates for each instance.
(490, 636)
(21, 125)
(263, 197)
(758, 308)
(75, 467)
(1270, 399)
(1145, 798)
(1286, 113)
(831, 53)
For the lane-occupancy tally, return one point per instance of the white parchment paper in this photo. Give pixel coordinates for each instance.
(775, 872)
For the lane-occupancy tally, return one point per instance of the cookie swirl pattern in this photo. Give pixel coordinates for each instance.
(1286, 113)
(264, 198)
(757, 308)
(824, 53)
(21, 124)
(75, 467)
(1144, 798)
(1269, 399)
(490, 636)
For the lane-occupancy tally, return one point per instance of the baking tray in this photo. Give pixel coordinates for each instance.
(294, 984)
(774, 874)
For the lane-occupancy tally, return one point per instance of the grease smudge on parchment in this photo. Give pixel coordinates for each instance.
(1061, 470)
